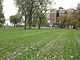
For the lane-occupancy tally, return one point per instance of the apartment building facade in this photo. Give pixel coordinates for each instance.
(57, 13)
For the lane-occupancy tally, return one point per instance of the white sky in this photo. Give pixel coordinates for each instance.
(10, 8)
(66, 4)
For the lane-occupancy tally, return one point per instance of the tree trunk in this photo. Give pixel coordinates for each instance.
(74, 27)
(39, 26)
(14, 25)
(30, 21)
(39, 23)
(25, 22)
(30, 15)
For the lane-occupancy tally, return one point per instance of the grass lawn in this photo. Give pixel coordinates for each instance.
(44, 44)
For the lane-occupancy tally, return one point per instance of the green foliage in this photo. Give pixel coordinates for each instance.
(52, 10)
(67, 20)
(32, 9)
(15, 19)
(2, 19)
(1, 6)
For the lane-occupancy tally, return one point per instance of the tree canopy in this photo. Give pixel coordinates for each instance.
(2, 20)
(29, 9)
(15, 19)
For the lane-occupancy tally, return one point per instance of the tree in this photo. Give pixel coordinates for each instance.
(43, 22)
(61, 21)
(28, 9)
(66, 21)
(41, 12)
(15, 20)
(2, 19)
(78, 15)
(40, 19)
(1, 6)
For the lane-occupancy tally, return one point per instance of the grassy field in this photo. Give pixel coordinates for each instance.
(44, 44)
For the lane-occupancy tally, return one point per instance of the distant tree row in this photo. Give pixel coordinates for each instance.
(69, 20)
(31, 12)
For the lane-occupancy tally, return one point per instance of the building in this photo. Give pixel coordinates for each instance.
(57, 13)
(53, 17)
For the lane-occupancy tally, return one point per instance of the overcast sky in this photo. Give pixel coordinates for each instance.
(66, 4)
(10, 8)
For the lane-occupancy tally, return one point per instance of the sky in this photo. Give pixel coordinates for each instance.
(9, 7)
(66, 4)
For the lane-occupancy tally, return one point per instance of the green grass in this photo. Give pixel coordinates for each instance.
(43, 44)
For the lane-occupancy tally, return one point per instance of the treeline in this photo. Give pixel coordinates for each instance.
(31, 13)
(71, 20)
